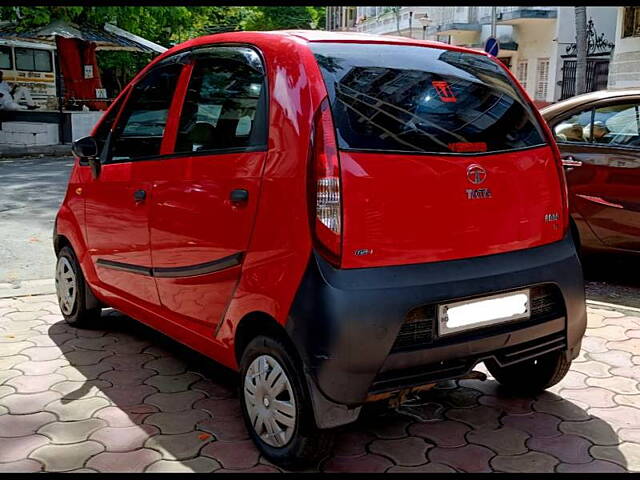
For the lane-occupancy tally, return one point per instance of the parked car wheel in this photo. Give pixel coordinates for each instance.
(276, 406)
(534, 375)
(71, 290)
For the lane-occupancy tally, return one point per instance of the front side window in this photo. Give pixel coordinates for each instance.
(141, 126)
(423, 100)
(33, 60)
(5, 58)
(225, 103)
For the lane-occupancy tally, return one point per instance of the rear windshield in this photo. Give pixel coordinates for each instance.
(423, 100)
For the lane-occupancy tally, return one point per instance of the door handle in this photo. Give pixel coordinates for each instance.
(240, 195)
(139, 196)
(570, 161)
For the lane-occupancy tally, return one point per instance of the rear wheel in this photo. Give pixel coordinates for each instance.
(534, 375)
(276, 406)
(71, 289)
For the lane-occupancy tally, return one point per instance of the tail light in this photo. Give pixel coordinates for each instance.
(325, 191)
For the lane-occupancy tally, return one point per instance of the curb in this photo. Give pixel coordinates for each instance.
(27, 288)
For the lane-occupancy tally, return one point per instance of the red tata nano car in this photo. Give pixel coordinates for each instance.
(340, 217)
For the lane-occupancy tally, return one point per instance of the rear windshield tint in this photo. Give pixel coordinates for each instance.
(422, 100)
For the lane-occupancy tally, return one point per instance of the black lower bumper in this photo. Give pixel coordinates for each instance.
(346, 323)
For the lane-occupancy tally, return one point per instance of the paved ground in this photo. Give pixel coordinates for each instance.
(31, 190)
(121, 397)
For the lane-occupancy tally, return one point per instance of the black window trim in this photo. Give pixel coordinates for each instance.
(438, 154)
(15, 53)
(185, 56)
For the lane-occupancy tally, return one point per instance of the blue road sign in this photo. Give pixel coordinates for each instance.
(491, 46)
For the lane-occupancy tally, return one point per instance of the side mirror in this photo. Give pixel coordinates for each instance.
(86, 149)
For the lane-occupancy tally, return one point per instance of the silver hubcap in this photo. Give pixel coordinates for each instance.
(65, 285)
(270, 402)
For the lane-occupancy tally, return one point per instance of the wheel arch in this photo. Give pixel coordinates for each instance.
(259, 323)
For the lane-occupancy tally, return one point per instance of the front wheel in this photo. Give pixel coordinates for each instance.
(534, 375)
(71, 289)
(276, 407)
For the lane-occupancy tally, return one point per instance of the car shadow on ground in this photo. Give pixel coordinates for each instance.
(613, 278)
(162, 407)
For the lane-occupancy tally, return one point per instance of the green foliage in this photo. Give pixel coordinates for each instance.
(278, 18)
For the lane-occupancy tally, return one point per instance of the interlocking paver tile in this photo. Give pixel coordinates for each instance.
(72, 390)
(387, 426)
(40, 354)
(422, 411)
(88, 372)
(593, 369)
(616, 384)
(488, 387)
(50, 340)
(178, 447)
(621, 416)
(609, 332)
(240, 454)
(197, 465)
(173, 383)
(605, 312)
(175, 402)
(629, 372)
(14, 348)
(535, 424)
(629, 435)
(365, 464)
(218, 408)
(132, 377)
(21, 466)
(566, 448)
(625, 455)
(214, 390)
(124, 439)
(35, 383)
(80, 358)
(167, 365)
(21, 425)
(7, 363)
(6, 390)
(19, 404)
(460, 397)
(564, 410)
(129, 395)
(16, 449)
(593, 344)
(127, 462)
(41, 368)
(592, 396)
(503, 441)
(595, 430)
(98, 344)
(631, 345)
(131, 361)
(9, 374)
(14, 337)
(71, 432)
(447, 433)
(410, 451)
(179, 422)
(613, 358)
(69, 410)
(426, 468)
(125, 416)
(129, 346)
(530, 462)
(346, 443)
(25, 317)
(470, 458)
(477, 417)
(508, 404)
(595, 466)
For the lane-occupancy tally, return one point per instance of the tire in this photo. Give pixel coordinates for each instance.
(534, 375)
(72, 289)
(298, 444)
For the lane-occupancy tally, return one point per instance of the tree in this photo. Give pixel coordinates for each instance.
(280, 18)
(581, 49)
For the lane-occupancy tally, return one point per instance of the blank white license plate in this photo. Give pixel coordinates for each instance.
(480, 312)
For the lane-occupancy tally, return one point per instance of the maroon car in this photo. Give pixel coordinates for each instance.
(599, 138)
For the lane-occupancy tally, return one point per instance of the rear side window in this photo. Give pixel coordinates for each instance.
(423, 100)
(225, 103)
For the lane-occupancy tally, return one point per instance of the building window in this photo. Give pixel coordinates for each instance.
(522, 72)
(542, 79)
(506, 61)
(631, 22)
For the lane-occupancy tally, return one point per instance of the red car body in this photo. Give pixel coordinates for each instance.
(163, 241)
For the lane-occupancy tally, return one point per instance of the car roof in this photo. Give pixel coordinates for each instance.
(563, 106)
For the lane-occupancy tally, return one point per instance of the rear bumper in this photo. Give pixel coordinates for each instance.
(345, 322)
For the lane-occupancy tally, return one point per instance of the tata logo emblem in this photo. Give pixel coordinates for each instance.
(476, 193)
(476, 174)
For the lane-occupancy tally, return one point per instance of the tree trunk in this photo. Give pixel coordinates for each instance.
(581, 49)
(396, 11)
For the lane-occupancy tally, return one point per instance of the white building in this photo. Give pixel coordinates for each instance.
(536, 42)
(624, 70)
